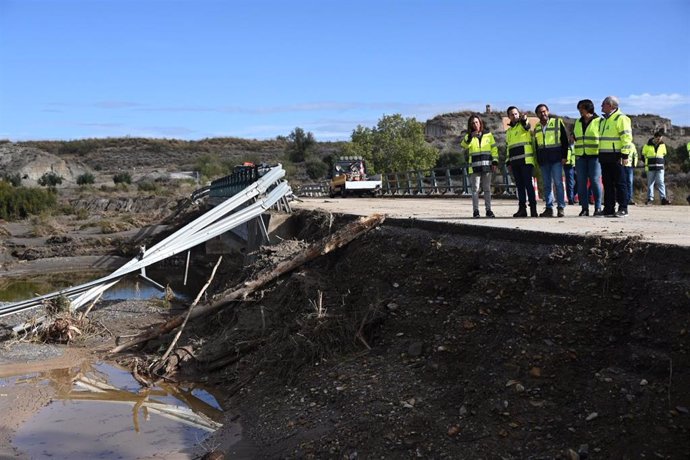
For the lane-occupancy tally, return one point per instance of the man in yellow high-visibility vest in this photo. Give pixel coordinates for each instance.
(615, 138)
(551, 146)
(521, 160)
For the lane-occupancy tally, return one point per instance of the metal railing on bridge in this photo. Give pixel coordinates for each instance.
(316, 189)
(442, 181)
(426, 182)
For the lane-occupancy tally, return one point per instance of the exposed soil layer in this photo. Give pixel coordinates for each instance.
(412, 342)
(419, 343)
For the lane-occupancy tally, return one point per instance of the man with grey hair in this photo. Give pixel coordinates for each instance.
(615, 140)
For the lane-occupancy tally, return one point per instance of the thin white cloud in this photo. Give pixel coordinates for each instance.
(654, 103)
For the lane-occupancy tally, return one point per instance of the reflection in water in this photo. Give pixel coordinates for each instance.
(100, 411)
(130, 287)
(14, 289)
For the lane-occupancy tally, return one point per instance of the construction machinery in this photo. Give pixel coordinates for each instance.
(349, 176)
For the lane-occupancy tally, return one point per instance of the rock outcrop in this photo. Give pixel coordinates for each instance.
(31, 163)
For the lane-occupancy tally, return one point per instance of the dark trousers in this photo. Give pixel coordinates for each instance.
(523, 183)
(615, 187)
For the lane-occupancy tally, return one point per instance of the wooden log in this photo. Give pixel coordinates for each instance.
(338, 239)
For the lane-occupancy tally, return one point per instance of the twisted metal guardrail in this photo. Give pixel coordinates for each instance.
(268, 191)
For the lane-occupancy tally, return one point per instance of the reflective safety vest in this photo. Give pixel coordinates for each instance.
(587, 142)
(570, 160)
(519, 145)
(632, 157)
(615, 137)
(688, 147)
(482, 152)
(654, 156)
(548, 141)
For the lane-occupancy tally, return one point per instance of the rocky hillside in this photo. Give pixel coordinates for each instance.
(144, 159)
(31, 163)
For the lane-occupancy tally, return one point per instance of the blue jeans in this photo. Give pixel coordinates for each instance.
(588, 167)
(655, 177)
(552, 174)
(570, 190)
(628, 176)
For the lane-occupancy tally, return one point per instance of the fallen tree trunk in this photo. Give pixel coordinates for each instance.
(338, 239)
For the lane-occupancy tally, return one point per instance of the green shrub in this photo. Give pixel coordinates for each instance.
(122, 178)
(50, 179)
(85, 179)
(81, 214)
(147, 186)
(316, 168)
(14, 179)
(211, 166)
(20, 202)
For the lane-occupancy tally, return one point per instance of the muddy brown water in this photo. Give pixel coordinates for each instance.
(95, 409)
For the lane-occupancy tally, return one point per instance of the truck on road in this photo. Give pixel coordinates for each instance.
(349, 176)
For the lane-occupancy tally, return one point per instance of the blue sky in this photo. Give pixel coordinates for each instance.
(192, 69)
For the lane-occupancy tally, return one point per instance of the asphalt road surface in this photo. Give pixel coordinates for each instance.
(654, 224)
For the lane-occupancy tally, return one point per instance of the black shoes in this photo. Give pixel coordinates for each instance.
(664, 201)
(622, 213)
(631, 203)
(548, 212)
(598, 213)
(521, 212)
(584, 212)
(605, 213)
(533, 210)
(561, 213)
(476, 214)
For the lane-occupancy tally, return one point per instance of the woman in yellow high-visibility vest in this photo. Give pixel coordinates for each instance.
(483, 158)
(588, 169)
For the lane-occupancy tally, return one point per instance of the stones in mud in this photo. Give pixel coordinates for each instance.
(415, 349)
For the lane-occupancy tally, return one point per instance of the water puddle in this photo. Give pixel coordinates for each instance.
(98, 410)
(131, 287)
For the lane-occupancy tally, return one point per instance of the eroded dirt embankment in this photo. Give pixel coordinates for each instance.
(412, 342)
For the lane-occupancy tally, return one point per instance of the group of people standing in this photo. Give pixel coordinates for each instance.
(601, 146)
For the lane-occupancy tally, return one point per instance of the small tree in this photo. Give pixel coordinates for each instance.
(300, 144)
(85, 179)
(50, 179)
(122, 178)
(395, 144)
